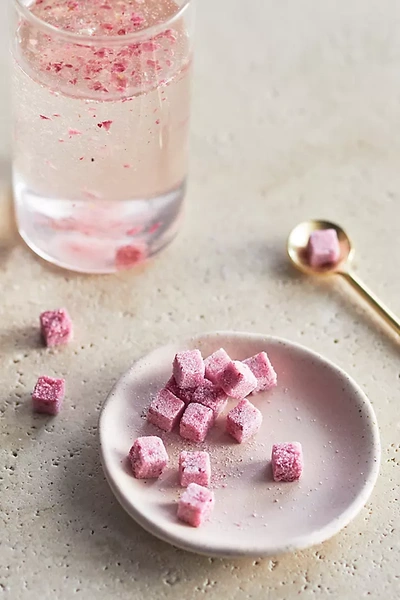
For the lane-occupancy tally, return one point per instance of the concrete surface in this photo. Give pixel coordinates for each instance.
(296, 114)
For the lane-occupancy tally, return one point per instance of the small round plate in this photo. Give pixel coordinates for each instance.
(315, 403)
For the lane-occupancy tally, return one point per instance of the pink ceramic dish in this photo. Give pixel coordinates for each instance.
(315, 403)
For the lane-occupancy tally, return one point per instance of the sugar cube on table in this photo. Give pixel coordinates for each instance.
(56, 327)
(237, 380)
(243, 421)
(188, 369)
(195, 505)
(323, 247)
(215, 364)
(186, 395)
(287, 461)
(166, 410)
(212, 396)
(48, 395)
(261, 367)
(196, 421)
(148, 457)
(194, 467)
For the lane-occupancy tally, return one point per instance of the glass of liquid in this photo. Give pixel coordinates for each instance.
(101, 98)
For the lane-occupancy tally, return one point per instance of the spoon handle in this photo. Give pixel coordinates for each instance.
(373, 301)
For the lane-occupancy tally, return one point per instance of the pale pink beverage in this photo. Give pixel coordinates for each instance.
(101, 115)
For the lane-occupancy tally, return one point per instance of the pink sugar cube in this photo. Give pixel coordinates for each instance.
(185, 395)
(166, 410)
(56, 327)
(323, 247)
(130, 255)
(215, 364)
(148, 457)
(188, 369)
(287, 461)
(263, 371)
(243, 421)
(237, 380)
(212, 396)
(48, 395)
(195, 504)
(196, 422)
(194, 467)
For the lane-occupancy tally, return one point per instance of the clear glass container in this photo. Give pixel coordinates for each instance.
(101, 99)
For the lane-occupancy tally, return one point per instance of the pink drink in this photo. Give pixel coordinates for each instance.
(101, 128)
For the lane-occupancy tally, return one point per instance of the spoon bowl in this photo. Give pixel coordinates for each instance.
(298, 254)
(297, 247)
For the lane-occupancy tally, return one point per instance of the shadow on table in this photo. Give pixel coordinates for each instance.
(8, 230)
(23, 339)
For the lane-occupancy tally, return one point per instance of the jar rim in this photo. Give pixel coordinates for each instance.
(108, 40)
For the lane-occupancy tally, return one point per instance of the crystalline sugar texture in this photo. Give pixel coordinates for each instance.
(56, 327)
(48, 395)
(211, 396)
(186, 395)
(188, 369)
(195, 504)
(263, 371)
(323, 247)
(215, 365)
(194, 467)
(287, 461)
(243, 421)
(166, 410)
(237, 380)
(196, 422)
(148, 457)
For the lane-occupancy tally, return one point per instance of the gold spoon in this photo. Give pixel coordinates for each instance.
(297, 250)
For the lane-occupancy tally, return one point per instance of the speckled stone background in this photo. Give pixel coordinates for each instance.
(296, 114)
